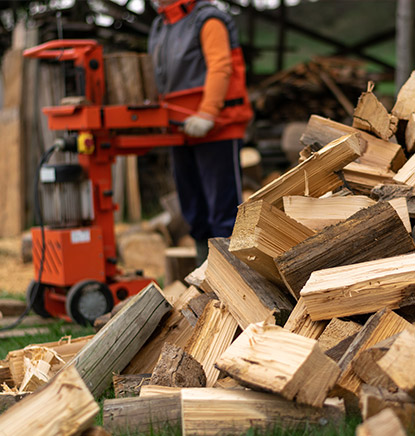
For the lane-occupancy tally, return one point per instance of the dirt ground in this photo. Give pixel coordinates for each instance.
(15, 275)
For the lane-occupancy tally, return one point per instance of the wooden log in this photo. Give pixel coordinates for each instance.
(388, 192)
(149, 82)
(197, 276)
(401, 207)
(180, 261)
(64, 406)
(248, 296)
(299, 322)
(262, 232)
(361, 178)
(373, 400)
(337, 352)
(133, 190)
(299, 370)
(176, 368)
(214, 332)
(379, 326)
(376, 152)
(336, 331)
(404, 104)
(360, 288)
(129, 385)
(193, 310)
(157, 390)
(175, 330)
(317, 213)
(398, 361)
(210, 412)
(385, 423)
(5, 374)
(406, 174)
(316, 175)
(410, 134)
(370, 115)
(113, 347)
(142, 415)
(369, 234)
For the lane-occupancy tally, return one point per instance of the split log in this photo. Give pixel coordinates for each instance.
(299, 322)
(401, 207)
(176, 368)
(248, 296)
(410, 134)
(64, 406)
(317, 213)
(157, 390)
(316, 175)
(175, 329)
(193, 310)
(214, 332)
(197, 276)
(387, 192)
(262, 232)
(370, 115)
(113, 347)
(299, 370)
(405, 101)
(211, 412)
(385, 423)
(377, 153)
(129, 385)
(337, 352)
(227, 383)
(406, 174)
(143, 415)
(361, 179)
(360, 288)
(336, 331)
(369, 234)
(373, 400)
(379, 326)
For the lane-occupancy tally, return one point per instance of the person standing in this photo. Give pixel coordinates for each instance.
(200, 73)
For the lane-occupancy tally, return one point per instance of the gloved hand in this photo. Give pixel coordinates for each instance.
(197, 126)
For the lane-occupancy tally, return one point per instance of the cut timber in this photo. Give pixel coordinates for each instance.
(406, 174)
(212, 412)
(363, 178)
(129, 385)
(248, 296)
(212, 335)
(299, 322)
(123, 79)
(405, 101)
(197, 276)
(175, 329)
(64, 406)
(336, 331)
(378, 152)
(299, 370)
(317, 213)
(133, 190)
(338, 351)
(378, 327)
(371, 233)
(373, 400)
(262, 232)
(410, 134)
(398, 362)
(401, 207)
(142, 415)
(361, 288)
(385, 423)
(154, 390)
(370, 115)
(193, 310)
(113, 347)
(316, 175)
(180, 261)
(387, 192)
(176, 368)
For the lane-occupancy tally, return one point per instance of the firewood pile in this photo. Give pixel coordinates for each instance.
(303, 316)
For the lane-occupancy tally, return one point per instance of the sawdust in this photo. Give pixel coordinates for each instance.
(15, 275)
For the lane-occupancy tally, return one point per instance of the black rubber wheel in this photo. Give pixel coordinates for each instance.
(87, 300)
(37, 301)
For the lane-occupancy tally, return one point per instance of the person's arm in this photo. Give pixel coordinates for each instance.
(216, 50)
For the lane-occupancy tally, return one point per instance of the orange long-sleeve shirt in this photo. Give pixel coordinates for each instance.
(216, 49)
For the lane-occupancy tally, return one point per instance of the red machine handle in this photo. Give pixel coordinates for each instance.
(62, 49)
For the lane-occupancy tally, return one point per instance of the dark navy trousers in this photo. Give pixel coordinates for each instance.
(208, 182)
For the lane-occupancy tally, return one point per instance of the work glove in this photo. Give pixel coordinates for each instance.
(197, 126)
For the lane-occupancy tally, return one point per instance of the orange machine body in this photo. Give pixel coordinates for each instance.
(67, 261)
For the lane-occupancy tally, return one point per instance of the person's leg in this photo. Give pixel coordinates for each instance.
(219, 168)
